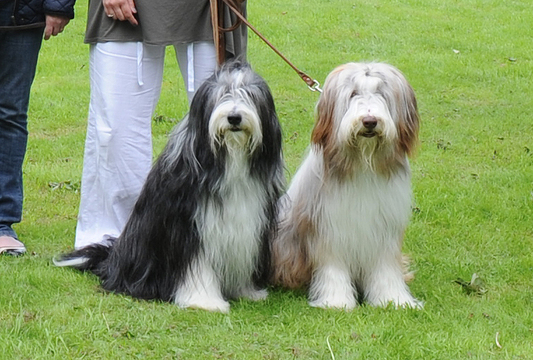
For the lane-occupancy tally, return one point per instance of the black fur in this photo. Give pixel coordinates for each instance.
(161, 238)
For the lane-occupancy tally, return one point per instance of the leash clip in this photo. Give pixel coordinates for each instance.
(231, 4)
(315, 86)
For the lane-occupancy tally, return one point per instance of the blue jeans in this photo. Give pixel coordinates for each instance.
(19, 50)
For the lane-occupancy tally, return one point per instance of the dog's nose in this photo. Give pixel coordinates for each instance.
(370, 122)
(234, 118)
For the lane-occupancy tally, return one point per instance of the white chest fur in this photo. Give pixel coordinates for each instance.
(231, 226)
(356, 218)
(364, 215)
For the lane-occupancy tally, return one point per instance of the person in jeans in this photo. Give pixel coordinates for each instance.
(22, 25)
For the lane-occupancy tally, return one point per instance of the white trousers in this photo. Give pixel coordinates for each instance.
(125, 81)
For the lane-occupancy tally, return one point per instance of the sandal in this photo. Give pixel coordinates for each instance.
(11, 246)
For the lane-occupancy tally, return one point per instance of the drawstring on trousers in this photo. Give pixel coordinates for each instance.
(190, 67)
(140, 47)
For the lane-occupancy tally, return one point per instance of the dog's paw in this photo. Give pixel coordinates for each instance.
(412, 303)
(214, 305)
(334, 303)
(209, 299)
(405, 301)
(254, 294)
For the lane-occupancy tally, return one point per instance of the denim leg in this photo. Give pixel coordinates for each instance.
(19, 51)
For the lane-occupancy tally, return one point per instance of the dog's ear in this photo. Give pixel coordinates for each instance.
(201, 104)
(409, 118)
(323, 130)
(271, 127)
(201, 107)
(403, 103)
(269, 152)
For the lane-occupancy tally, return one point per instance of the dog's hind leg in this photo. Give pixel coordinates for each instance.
(201, 289)
(331, 287)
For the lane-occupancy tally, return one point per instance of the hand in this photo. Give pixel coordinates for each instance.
(121, 10)
(54, 25)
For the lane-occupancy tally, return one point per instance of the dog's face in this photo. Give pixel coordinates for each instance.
(238, 111)
(235, 122)
(232, 116)
(368, 107)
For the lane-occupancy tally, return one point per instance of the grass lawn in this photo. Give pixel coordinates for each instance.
(470, 63)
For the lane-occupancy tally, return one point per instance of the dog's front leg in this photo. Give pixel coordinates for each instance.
(384, 283)
(331, 287)
(201, 289)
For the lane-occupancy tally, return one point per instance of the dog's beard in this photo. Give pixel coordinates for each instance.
(364, 149)
(236, 138)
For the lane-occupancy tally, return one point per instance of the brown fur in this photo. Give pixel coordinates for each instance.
(409, 124)
(292, 268)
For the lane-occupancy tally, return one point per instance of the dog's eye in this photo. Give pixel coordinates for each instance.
(353, 94)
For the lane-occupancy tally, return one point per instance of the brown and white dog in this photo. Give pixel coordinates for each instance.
(344, 216)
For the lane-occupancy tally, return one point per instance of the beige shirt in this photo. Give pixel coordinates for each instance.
(164, 22)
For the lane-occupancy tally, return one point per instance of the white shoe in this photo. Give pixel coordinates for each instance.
(11, 246)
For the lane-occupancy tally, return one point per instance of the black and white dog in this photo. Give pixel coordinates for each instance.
(199, 233)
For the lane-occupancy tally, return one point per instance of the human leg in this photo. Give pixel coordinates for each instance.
(125, 87)
(19, 51)
(197, 62)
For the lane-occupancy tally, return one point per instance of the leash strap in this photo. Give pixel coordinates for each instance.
(218, 35)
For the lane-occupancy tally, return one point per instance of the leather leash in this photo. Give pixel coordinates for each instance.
(218, 34)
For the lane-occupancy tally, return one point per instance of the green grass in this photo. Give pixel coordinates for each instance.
(470, 63)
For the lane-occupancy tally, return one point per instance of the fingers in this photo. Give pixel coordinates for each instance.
(54, 25)
(123, 10)
(47, 33)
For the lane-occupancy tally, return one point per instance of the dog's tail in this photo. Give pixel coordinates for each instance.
(87, 258)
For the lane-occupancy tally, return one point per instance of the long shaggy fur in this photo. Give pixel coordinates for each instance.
(343, 218)
(200, 230)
